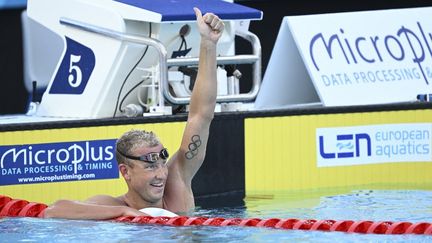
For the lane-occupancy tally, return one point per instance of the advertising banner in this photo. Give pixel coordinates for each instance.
(56, 162)
(343, 146)
(352, 58)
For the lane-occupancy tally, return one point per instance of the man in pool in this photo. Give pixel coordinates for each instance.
(153, 180)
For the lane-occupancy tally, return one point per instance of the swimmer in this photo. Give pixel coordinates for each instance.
(156, 179)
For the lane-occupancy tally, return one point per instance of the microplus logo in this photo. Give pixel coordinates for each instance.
(57, 162)
(75, 69)
(404, 45)
(374, 144)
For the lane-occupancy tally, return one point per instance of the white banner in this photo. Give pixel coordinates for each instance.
(354, 58)
(342, 146)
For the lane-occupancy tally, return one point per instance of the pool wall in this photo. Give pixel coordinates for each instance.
(281, 152)
(248, 152)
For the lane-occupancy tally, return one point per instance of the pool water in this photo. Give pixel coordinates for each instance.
(375, 205)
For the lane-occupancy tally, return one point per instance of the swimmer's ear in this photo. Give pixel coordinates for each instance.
(124, 171)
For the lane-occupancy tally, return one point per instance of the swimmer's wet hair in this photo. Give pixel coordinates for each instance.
(132, 139)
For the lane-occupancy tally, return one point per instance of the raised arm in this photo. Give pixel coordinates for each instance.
(189, 158)
(203, 99)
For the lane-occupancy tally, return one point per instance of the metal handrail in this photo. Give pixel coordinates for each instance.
(161, 50)
(164, 62)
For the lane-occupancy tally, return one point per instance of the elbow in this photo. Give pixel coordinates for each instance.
(204, 114)
(55, 210)
(201, 118)
(207, 117)
(48, 212)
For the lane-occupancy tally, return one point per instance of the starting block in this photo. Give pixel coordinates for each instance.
(117, 54)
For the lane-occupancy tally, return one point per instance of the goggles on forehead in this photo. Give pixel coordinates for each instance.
(150, 157)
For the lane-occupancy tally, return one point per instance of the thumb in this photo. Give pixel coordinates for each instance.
(198, 13)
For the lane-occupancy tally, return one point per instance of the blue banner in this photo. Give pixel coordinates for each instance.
(55, 162)
(13, 4)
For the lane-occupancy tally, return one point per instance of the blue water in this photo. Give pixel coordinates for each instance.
(375, 205)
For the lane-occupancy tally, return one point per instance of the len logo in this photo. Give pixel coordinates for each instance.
(344, 142)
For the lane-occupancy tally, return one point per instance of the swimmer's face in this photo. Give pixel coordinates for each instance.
(148, 179)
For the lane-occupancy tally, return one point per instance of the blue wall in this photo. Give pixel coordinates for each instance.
(12, 3)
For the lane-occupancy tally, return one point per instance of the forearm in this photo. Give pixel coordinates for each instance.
(203, 98)
(79, 210)
(203, 101)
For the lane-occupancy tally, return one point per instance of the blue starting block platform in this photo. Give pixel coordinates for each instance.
(182, 10)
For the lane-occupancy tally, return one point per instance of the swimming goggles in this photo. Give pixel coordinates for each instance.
(150, 157)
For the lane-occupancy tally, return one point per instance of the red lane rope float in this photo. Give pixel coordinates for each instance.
(13, 207)
(21, 208)
(4, 200)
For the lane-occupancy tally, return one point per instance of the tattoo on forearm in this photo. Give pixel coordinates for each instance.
(193, 147)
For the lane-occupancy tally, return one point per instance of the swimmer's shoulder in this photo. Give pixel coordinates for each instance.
(107, 200)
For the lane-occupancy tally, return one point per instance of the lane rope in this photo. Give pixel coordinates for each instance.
(21, 208)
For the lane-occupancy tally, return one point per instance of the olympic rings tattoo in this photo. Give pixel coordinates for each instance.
(193, 147)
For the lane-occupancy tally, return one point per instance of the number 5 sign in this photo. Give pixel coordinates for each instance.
(75, 69)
